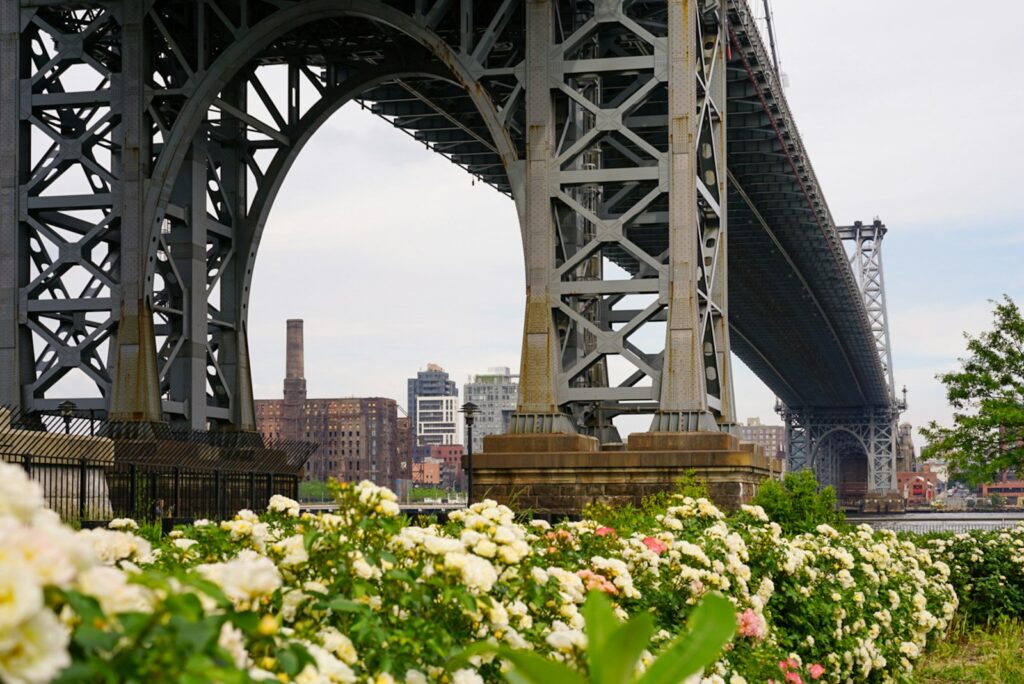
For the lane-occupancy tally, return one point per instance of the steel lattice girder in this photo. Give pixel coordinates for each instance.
(146, 144)
(810, 432)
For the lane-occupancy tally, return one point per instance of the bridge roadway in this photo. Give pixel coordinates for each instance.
(797, 317)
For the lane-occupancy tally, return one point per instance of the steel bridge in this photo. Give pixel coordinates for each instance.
(658, 174)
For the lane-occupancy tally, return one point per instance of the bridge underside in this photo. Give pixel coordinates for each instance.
(134, 200)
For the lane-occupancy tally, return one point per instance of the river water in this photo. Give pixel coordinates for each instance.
(941, 522)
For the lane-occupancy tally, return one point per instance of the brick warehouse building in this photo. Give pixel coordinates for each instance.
(359, 438)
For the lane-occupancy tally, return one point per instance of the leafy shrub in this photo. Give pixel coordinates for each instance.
(797, 505)
(986, 569)
(362, 595)
(628, 518)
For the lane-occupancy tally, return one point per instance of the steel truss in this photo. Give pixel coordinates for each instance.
(143, 145)
(627, 141)
(819, 439)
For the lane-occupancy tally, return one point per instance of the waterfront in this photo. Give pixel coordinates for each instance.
(949, 521)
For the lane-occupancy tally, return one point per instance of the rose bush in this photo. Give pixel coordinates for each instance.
(986, 569)
(363, 595)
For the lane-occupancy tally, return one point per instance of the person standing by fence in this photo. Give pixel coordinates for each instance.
(156, 511)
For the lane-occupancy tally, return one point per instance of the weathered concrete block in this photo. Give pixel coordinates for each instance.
(566, 481)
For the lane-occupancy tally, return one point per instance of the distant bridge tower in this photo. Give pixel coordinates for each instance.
(832, 441)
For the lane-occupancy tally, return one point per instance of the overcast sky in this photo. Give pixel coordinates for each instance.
(909, 110)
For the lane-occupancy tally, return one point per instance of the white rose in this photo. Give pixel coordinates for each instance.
(293, 551)
(20, 497)
(111, 588)
(340, 645)
(327, 669)
(466, 676)
(282, 504)
(41, 652)
(20, 597)
(232, 640)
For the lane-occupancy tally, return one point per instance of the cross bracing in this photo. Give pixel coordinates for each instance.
(658, 173)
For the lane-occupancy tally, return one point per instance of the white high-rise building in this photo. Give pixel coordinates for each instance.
(495, 393)
(436, 420)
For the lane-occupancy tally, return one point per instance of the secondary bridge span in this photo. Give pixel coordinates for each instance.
(662, 187)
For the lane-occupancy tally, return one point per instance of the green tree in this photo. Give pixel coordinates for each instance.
(987, 396)
(796, 504)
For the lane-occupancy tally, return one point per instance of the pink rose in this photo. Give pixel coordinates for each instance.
(816, 670)
(751, 625)
(656, 545)
(604, 531)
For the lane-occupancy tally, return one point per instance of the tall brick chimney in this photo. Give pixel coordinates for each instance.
(294, 361)
(294, 383)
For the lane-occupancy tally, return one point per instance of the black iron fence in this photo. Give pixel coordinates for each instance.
(92, 469)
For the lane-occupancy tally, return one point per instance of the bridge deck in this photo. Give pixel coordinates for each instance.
(796, 313)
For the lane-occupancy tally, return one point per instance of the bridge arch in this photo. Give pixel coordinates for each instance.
(194, 169)
(840, 457)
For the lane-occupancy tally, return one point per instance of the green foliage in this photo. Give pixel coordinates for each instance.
(315, 491)
(987, 397)
(614, 649)
(628, 518)
(176, 642)
(985, 569)
(422, 493)
(797, 505)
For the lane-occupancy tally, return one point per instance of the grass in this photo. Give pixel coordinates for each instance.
(976, 656)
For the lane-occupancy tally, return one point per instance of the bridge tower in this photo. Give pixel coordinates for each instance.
(833, 441)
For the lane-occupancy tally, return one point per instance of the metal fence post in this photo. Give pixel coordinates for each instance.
(177, 491)
(252, 491)
(218, 495)
(133, 491)
(270, 485)
(83, 478)
(27, 464)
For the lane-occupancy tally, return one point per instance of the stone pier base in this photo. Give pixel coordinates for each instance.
(879, 502)
(561, 473)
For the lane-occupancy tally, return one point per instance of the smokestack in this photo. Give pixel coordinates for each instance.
(294, 362)
(293, 413)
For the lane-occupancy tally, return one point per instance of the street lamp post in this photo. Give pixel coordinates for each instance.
(469, 410)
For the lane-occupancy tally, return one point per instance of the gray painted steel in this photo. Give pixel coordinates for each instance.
(142, 145)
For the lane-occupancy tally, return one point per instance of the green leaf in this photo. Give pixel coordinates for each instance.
(246, 621)
(711, 626)
(134, 623)
(400, 575)
(289, 662)
(86, 607)
(195, 634)
(619, 656)
(88, 637)
(468, 602)
(536, 669)
(601, 623)
(342, 605)
(613, 648)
